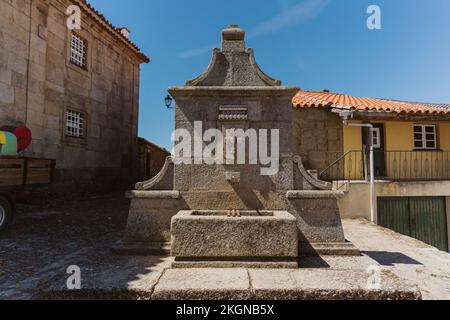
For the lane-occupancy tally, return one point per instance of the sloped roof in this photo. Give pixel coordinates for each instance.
(318, 99)
(115, 32)
(145, 141)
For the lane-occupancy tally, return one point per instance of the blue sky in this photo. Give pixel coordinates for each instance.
(314, 44)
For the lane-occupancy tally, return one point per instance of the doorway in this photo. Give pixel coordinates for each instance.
(379, 148)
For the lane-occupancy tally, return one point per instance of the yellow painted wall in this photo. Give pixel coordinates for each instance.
(353, 164)
(399, 136)
(352, 139)
(444, 134)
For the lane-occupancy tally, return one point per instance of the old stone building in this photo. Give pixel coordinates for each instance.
(318, 136)
(77, 90)
(151, 158)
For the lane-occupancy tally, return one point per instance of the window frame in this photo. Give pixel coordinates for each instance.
(376, 135)
(81, 126)
(85, 53)
(424, 140)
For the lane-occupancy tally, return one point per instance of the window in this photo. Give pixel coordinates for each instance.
(376, 138)
(78, 51)
(425, 137)
(75, 124)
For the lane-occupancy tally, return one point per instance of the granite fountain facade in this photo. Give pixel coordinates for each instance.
(185, 209)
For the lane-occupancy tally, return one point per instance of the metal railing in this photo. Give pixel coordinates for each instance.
(391, 165)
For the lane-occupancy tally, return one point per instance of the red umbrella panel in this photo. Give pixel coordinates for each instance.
(23, 135)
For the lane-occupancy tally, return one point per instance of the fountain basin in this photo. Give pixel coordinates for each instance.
(262, 236)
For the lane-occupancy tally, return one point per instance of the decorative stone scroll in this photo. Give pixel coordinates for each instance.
(148, 185)
(316, 183)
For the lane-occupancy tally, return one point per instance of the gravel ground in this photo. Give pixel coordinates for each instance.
(409, 259)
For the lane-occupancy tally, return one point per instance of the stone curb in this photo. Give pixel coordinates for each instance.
(250, 295)
(242, 284)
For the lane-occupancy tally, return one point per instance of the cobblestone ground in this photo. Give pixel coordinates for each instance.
(45, 241)
(42, 243)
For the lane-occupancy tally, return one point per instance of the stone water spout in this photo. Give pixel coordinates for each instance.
(233, 177)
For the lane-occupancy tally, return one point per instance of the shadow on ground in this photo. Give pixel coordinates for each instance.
(389, 259)
(45, 241)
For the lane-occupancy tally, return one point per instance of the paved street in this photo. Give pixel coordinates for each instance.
(35, 254)
(43, 243)
(408, 258)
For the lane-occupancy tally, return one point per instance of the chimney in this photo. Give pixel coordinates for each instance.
(125, 32)
(233, 39)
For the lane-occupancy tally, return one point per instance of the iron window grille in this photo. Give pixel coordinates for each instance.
(75, 124)
(78, 51)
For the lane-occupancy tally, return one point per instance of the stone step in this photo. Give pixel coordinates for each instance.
(236, 263)
(329, 249)
(252, 284)
(142, 248)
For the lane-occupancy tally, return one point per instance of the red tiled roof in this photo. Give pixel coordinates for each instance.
(115, 32)
(318, 99)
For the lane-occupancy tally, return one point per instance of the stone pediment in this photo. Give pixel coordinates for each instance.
(233, 66)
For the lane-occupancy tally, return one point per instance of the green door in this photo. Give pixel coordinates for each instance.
(429, 221)
(393, 213)
(423, 218)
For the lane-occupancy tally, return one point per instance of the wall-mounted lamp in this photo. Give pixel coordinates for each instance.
(169, 101)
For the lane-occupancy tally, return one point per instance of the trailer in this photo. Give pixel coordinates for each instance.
(17, 174)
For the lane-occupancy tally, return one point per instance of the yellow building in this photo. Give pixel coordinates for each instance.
(404, 149)
(411, 140)
(412, 159)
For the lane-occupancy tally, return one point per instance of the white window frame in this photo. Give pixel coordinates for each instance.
(424, 141)
(75, 124)
(78, 51)
(376, 138)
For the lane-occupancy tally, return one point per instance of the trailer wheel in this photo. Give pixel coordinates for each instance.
(6, 213)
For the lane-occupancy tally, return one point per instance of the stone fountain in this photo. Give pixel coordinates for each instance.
(185, 210)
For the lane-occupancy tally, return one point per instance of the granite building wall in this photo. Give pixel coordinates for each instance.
(317, 137)
(38, 83)
(151, 159)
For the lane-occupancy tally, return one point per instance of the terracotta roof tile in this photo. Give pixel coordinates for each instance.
(317, 99)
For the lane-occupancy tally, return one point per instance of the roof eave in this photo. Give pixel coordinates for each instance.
(104, 22)
(413, 116)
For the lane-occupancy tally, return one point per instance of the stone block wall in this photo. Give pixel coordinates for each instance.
(317, 137)
(151, 159)
(38, 84)
(14, 40)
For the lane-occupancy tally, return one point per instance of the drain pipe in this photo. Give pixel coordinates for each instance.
(371, 165)
(345, 115)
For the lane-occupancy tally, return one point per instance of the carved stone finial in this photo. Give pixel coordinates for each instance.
(233, 39)
(233, 66)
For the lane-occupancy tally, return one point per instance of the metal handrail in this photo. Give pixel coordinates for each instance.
(398, 165)
(335, 162)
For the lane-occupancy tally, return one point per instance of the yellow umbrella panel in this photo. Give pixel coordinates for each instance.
(2, 138)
